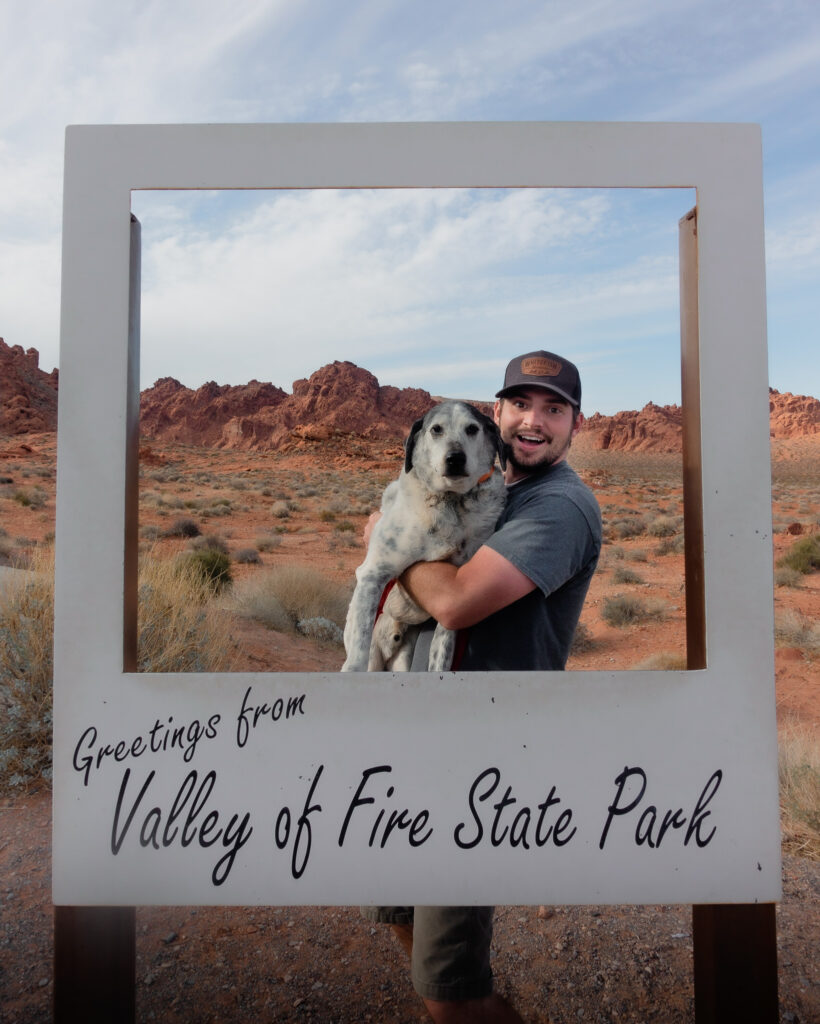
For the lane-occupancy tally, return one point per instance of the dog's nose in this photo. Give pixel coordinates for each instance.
(455, 463)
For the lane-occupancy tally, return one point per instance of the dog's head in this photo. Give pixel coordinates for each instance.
(452, 447)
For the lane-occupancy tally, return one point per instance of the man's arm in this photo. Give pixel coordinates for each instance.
(459, 597)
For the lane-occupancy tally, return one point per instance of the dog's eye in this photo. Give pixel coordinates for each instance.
(472, 430)
(436, 429)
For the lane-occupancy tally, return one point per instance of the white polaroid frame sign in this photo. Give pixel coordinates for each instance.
(579, 787)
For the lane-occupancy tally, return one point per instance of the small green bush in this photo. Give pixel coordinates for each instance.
(212, 567)
(803, 556)
(183, 527)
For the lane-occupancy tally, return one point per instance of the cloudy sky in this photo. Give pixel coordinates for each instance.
(434, 289)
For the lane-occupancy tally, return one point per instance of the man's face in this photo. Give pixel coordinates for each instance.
(538, 427)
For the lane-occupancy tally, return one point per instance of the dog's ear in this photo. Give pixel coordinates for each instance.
(410, 444)
(490, 427)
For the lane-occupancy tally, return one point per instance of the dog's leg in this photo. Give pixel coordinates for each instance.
(442, 649)
(361, 615)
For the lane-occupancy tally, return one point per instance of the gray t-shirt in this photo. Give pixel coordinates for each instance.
(551, 531)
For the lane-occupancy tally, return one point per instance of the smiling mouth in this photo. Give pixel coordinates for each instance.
(530, 440)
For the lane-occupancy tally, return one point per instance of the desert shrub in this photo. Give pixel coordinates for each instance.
(345, 526)
(320, 628)
(212, 567)
(804, 555)
(327, 516)
(269, 542)
(662, 661)
(280, 509)
(212, 541)
(628, 526)
(625, 610)
(247, 556)
(638, 555)
(799, 771)
(792, 629)
(786, 577)
(663, 526)
(30, 498)
(298, 591)
(149, 532)
(184, 526)
(671, 546)
(624, 575)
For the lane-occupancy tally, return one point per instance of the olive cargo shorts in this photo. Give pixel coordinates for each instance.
(451, 949)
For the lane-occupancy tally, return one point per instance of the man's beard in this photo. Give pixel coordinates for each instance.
(541, 462)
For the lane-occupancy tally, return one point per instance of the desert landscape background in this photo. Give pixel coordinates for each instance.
(262, 495)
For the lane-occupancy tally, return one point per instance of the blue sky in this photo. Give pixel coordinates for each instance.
(434, 289)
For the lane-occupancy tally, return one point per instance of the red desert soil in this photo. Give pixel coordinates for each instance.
(609, 964)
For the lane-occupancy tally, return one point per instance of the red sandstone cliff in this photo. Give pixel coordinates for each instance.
(28, 396)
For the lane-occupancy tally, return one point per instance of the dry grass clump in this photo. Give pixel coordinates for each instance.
(793, 629)
(26, 636)
(289, 596)
(180, 630)
(799, 770)
(626, 610)
(180, 627)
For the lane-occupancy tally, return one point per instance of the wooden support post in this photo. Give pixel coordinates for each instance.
(94, 965)
(735, 964)
(735, 946)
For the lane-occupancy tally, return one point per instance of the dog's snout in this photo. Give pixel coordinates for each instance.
(455, 462)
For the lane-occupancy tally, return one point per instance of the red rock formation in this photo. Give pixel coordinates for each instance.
(340, 401)
(340, 398)
(28, 396)
(656, 428)
(169, 411)
(793, 415)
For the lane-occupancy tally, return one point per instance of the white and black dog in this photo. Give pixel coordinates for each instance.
(443, 507)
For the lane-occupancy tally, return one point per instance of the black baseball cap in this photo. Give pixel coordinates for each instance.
(543, 370)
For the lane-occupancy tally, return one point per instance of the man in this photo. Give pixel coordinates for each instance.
(526, 586)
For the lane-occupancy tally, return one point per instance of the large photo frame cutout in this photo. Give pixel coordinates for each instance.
(584, 787)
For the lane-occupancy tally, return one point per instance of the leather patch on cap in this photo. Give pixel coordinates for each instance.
(536, 366)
